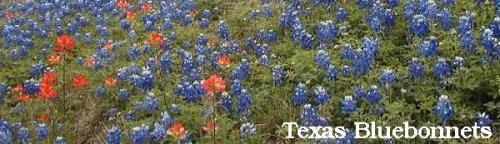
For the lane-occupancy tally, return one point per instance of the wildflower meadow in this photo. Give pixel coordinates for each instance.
(233, 71)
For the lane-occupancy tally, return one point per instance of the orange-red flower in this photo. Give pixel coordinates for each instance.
(146, 8)
(90, 61)
(110, 82)
(108, 46)
(177, 131)
(155, 39)
(18, 88)
(130, 15)
(64, 43)
(214, 84)
(23, 97)
(47, 92)
(210, 127)
(7, 15)
(49, 78)
(223, 61)
(44, 117)
(54, 59)
(79, 82)
(122, 4)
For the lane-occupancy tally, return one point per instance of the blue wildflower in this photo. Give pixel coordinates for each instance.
(468, 42)
(387, 77)
(158, 134)
(300, 96)
(483, 120)
(322, 96)
(322, 59)
(419, 26)
(277, 75)
(443, 109)
(429, 48)
(348, 105)
(226, 102)
(458, 63)
(59, 140)
(247, 130)
(151, 103)
(244, 103)
(415, 69)
(22, 135)
(6, 132)
(310, 117)
(113, 136)
(442, 69)
(373, 95)
(223, 30)
(42, 132)
(140, 134)
(341, 15)
(31, 87)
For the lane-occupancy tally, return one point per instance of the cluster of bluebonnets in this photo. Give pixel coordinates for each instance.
(29, 29)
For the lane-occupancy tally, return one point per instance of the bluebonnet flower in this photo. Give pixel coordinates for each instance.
(393, 3)
(300, 96)
(31, 87)
(262, 35)
(3, 92)
(158, 133)
(59, 140)
(277, 75)
(123, 95)
(375, 23)
(223, 30)
(100, 91)
(166, 120)
(331, 73)
(345, 70)
(348, 139)
(37, 70)
(445, 19)
(146, 80)
(6, 132)
(448, 2)
(490, 45)
(151, 103)
(415, 69)
(306, 41)
(362, 4)
(242, 71)
(458, 63)
(443, 109)
(389, 18)
(244, 103)
(348, 105)
(373, 95)
(113, 136)
(42, 131)
(325, 32)
(322, 96)
(165, 63)
(125, 25)
(206, 14)
(483, 120)
(322, 59)
(175, 109)
(187, 20)
(140, 134)
(254, 14)
(495, 26)
(468, 42)
(204, 23)
(132, 35)
(442, 69)
(419, 26)
(267, 11)
(429, 48)
(167, 24)
(310, 117)
(264, 61)
(247, 130)
(341, 15)
(22, 135)
(272, 36)
(226, 102)
(465, 24)
(130, 116)
(347, 53)
(192, 92)
(387, 77)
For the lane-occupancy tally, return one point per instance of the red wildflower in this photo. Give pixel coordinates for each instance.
(44, 117)
(23, 97)
(54, 59)
(110, 82)
(223, 61)
(79, 82)
(64, 43)
(7, 15)
(155, 39)
(214, 84)
(122, 4)
(18, 88)
(177, 131)
(108, 46)
(47, 92)
(130, 15)
(146, 8)
(90, 61)
(209, 127)
(49, 78)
